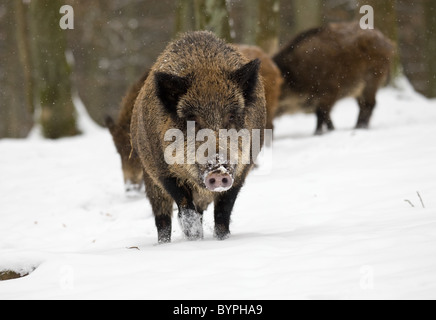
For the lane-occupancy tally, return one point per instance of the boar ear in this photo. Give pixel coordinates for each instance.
(110, 124)
(247, 77)
(170, 88)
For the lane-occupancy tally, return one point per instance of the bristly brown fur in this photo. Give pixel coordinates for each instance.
(323, 65)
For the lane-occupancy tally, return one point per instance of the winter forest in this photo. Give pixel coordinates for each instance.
(114, 42)
(346, 213)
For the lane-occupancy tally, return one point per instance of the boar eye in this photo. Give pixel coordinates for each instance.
(191, 117)
(231, 117)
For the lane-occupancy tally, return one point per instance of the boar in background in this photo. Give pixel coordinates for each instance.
(120, 131)
(322, 65)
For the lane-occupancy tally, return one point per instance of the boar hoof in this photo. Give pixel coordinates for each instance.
(163, 240)
(221, 233)
(192, 224)
(164, 236)
(132, 187)
(319, 132)
(362, 126)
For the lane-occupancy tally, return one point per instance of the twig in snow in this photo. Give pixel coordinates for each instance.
(410, 202)
(420, 198)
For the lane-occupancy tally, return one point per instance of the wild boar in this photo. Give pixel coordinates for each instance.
(120, 131)
(322, 65)
(198, 82)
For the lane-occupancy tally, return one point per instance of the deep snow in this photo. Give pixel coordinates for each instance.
(330, 219)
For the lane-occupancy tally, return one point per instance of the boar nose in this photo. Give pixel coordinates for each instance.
(218, 182)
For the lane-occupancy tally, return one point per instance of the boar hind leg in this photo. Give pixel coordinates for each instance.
(323, 118)
(191, 221)
(223, 209)
(366, 104)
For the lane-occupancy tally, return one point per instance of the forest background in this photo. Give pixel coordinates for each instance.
(44, 68)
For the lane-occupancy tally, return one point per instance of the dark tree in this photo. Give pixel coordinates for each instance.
(386, 20)
(185, 18)
(430, 46)
(267, 35)
(24, 49)
(213, 15)
(307, 14)
(53, 83)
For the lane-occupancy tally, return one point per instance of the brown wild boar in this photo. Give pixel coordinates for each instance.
(199, 81)
(272, 79)
(120, 131)
(131, 165)
(322, 65)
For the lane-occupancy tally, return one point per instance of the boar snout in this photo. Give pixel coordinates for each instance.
(218, 176)
(218, 181)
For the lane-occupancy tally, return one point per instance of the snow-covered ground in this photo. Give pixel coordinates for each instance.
(330, 220)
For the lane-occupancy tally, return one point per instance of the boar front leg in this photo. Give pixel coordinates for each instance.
(191, 221)
(223, 209)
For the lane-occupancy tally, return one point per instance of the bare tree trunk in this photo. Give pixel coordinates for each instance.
(213, 15)
(267, 33)
(385, 20)
(58, 115)
(23, 42)
(185, 19)
(308, 14)
(249, 23)
(430, 46)
(15, 119)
